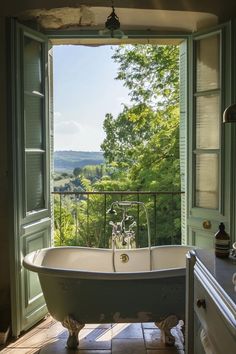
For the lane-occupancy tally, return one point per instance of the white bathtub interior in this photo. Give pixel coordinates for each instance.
(168, 257)
(79, 258)
(101, 260)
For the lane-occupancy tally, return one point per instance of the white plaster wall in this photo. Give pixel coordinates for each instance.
(14, 7)
(218, 6)
(67, 14)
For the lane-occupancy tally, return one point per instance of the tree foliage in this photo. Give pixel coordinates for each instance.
(143, 140)
(150, 72)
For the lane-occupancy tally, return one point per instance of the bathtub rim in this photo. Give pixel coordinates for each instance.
(28, 263)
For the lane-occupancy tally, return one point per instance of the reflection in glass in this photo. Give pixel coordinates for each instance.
(208, 62)
(208, 122)
(33, 121)
(34, 181)
(207, 181)
(32, 65)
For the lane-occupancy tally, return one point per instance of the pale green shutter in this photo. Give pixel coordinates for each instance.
(51, 127)
(30, 148)
(183, 138)
(208, 179)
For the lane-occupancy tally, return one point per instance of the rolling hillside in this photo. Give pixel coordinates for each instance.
(66, 161)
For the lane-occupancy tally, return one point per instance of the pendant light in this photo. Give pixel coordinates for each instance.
(112, 26)
(112, 23)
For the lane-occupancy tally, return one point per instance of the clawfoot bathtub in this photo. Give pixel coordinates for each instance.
(88, 285)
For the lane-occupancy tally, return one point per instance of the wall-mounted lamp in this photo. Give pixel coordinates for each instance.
(229, 115)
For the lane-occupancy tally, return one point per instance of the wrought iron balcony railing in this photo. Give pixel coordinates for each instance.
(81, 218)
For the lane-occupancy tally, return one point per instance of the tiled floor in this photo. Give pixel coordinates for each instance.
(50, 337)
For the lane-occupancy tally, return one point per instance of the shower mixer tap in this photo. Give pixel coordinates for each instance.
(123, 231)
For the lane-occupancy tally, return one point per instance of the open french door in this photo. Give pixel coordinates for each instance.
(209, 141)
(30, 154)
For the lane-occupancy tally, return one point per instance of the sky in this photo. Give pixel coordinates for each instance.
(84, 90)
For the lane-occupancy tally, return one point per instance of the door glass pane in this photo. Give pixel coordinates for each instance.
(207, 181)
(208, 63)
(208, 122)
(33, 121)
(32, 65)
(34, 181)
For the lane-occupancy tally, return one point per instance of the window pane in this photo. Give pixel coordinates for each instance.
(32, 65)
(33, 122)
(208, 122)
(34, 181)
(207, 181)
(208, 61)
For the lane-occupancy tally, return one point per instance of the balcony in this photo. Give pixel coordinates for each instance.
(83, 218)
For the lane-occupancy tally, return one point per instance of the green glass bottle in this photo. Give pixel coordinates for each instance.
(222, 242)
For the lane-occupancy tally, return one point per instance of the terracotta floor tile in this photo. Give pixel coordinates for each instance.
(127, 331)
(19, 351)
(128, 346)
(162, 351)
(57, 331)
(149, 325)
(84, 351)
(59, 347)
(95, 338)
(32, 339)
(153, 340)
(56, 346)
(98, 325)
(47, 322)
(50, 337)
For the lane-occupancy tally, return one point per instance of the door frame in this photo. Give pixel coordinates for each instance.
(57, 35)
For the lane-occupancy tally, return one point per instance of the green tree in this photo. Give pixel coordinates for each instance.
(143, 141)
(150, 72)
(77, 171)
(64, 227)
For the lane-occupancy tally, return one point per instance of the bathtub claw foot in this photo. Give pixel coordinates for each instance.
(73, 327)
(165, 327)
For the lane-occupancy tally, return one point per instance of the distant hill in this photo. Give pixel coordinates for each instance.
(66, 161)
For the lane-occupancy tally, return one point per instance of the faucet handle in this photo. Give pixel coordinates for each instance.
(131, 226)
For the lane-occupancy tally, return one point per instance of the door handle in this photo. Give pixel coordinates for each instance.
(206, 224)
